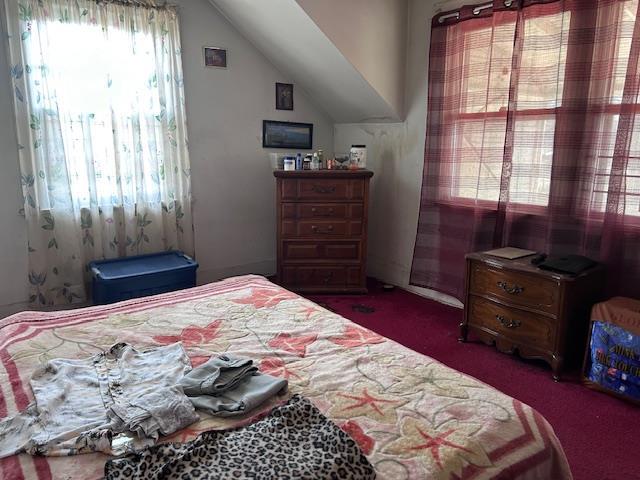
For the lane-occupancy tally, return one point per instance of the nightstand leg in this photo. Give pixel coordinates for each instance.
(463, 332)
(556, 367)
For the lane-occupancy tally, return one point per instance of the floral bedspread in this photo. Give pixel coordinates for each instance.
(412, 416)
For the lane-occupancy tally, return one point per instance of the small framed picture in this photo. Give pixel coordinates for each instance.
(215, 57)
(284, 96)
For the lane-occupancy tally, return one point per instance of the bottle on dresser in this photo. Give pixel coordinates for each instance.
(307, 162)
(315, 162)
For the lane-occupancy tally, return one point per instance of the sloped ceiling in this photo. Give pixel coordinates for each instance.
(287, 35)
(372, 35)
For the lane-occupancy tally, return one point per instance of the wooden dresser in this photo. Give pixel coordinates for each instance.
(519, 307)
(322, 230)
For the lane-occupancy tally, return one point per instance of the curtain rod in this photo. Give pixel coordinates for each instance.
(476, 11)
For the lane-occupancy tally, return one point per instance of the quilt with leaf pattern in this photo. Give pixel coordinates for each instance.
(412, 416)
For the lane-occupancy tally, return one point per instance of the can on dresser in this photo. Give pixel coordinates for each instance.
(289, 163)
(358, 157)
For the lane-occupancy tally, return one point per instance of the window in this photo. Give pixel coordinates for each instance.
(101, 128)
(479, 124)
(104, 114)
(609, 90)
(559, 147)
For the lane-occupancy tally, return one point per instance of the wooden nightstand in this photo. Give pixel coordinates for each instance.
(538, 313)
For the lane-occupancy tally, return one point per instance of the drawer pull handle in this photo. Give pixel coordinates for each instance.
(508, 323)
(325, 232)
(514, 290)
(323, 189)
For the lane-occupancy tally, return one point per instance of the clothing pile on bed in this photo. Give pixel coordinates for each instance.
(122, 400)
(294, 441)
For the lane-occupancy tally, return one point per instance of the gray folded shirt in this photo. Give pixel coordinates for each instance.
(226, 386)
(218, 375)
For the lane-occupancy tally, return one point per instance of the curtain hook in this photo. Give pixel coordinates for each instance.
(508, 3)
(455, 15)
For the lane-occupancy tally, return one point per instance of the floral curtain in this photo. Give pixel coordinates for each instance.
(532, 139)
(102, 138)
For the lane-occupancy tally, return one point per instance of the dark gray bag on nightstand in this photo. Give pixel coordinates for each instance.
(570, 264)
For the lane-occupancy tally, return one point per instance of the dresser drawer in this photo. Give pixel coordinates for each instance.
(321, 229)
(318, 250)
(516, 288)
(522, 327)
(292, 211)
(322, 189)
(321, 276)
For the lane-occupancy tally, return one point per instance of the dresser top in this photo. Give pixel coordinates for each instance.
(523, 264)
(323, 173)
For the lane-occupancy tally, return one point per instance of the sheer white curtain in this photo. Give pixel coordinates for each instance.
(102, 139)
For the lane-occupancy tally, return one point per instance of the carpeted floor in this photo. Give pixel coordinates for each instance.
(600, 434)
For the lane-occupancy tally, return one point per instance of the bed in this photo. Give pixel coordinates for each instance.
(412, 416)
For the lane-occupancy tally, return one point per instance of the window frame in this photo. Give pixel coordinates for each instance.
(503, 112)
(71, 123)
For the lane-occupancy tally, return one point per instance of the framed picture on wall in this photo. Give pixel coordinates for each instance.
(284, 96)
(215, 57)
(287, 135)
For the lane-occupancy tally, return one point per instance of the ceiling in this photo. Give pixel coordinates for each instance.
(289, 37)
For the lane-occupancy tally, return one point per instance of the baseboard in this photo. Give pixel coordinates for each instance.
(398, 274)
(6, 310)
(266, 268)
(10, 309)
(433, 295)
(388, 272)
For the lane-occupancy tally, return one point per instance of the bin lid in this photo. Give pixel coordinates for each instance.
(142, 265)
(621, 311)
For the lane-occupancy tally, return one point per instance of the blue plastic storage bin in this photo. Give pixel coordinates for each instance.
(140, 276)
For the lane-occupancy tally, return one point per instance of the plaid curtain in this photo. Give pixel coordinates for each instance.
(532, 139)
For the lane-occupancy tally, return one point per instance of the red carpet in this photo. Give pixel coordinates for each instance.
(600, 434)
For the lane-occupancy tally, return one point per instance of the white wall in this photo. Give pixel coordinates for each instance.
(371, 35)
(233, 186)
(232, 182)
(283, 31)
(395, 153)
(13, 235)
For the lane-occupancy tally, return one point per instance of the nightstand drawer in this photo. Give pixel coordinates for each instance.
(529, 291)
(523, 327)
(321, 228)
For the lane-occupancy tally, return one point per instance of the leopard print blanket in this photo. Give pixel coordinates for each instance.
(294, 442)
